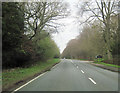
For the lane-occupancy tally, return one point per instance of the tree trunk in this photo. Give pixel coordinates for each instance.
(108, 34)
(109, 55)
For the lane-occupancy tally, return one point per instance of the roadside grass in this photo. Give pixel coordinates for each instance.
(11, 76)
(100, 61)
(106, 64)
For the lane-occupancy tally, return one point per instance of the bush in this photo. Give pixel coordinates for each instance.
(15, 59)
(22, 59)
(46, 49)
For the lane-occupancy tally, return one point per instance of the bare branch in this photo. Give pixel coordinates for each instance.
(94, 13)
(88, 19)
(39, 14)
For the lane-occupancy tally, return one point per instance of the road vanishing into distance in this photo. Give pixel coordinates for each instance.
(74, 75)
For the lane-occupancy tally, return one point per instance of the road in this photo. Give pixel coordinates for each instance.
(74, 75)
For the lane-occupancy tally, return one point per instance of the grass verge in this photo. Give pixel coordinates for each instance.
(106, 64)
(99, 61)
(11, 76)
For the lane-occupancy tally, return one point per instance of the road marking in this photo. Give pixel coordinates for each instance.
(55, 66)
(28, 83)
(82, 71)
(92, 80)
(71, 61)
(77, 66)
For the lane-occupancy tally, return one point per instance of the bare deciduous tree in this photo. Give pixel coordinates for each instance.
(38, 15)
(101, 10)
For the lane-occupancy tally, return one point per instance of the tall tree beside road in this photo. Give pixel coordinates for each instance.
(26, 37)
(116, 45)
(12, 30)
(102, 11)
(90, 42)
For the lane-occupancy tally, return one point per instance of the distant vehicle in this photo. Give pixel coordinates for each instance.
(64, 57)
(98, 56)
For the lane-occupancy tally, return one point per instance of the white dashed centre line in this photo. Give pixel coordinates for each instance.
(92, 80)
(82, 71)
(77, 66)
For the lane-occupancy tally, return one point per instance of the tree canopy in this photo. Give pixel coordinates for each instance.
(91, 42)
(20, 22)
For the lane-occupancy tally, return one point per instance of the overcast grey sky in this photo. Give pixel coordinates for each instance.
(71, 28)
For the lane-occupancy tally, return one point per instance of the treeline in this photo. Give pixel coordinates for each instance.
(100, 33)
(91, 42)
(25, 35)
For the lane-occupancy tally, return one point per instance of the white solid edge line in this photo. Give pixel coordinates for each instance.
(82, 71)
(55, 65)
(71, 61)
(92, 80)
(28, 83)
